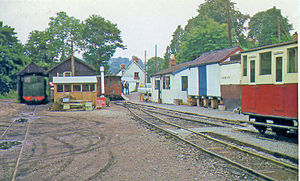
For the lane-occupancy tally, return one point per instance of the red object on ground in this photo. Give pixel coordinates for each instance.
(270, 100)
(36, 98)
(101, 101)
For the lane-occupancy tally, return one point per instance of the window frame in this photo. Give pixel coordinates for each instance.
(245, 65)
(166, 82)
(263, 63)
(289, 66)
(75, 85)
(184, 86)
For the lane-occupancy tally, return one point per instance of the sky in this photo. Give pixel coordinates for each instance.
(143, 23)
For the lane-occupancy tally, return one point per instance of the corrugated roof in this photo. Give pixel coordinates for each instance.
(216, 56)
(271, 46)
(77, 79)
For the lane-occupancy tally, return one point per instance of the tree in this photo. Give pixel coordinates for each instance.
(167, 56)
(265, 27)
(208, 35)
(216, 10)
(175, 42)
(12, 58)
(100, 38)
(151, 65)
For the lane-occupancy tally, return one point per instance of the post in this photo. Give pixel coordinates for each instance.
(155, 58)
(228, 23)
(145, 71)
(278, 29)
(72, 59)
(102, 80)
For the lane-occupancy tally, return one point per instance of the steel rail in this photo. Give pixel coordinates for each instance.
(212, 117)
(225, 143)
(21, 151)
(249, 170)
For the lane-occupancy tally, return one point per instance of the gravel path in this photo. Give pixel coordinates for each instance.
(104, 144)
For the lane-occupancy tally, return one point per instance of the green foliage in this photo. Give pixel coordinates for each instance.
(12, 58)
(263, 27)
(167, 56)
(152, 68)
(100, 38)
(208, 35)
(96, 38)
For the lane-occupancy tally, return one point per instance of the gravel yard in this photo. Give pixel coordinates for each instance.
(107, 144)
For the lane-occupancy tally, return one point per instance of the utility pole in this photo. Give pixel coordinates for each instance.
(145, 70)
(228, 23)
(155, 58)
(72, 58)
(278, 29)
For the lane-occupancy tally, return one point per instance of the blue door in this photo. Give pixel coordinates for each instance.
(202, 81)
(159, 91)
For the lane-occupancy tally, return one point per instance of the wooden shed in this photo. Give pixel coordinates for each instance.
(83, 88)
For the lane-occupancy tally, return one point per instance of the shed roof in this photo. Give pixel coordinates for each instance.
(271, 46)
(216, 56)
(32, 68)
(77, 79)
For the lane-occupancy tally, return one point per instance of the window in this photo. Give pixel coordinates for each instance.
(184, 82)
(157, 82)
(68, 88)
(265, 63)
(92, 87)
(60, 88)
(292, 60)
(67, 74)
(136, 75)
(252, 71)
(76, 88)
(278, 69)
(245, 65)
(59, 74)
(85, 88)
(166, 82)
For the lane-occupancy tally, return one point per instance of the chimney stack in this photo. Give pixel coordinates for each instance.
(172, 60)
(135, 59)
(123, 66)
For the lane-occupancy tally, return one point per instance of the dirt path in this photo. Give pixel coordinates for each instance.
(105, 144)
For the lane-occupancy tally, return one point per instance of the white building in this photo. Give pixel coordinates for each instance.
(133, 74)
(199, 78)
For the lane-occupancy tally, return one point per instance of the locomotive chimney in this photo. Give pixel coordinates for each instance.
(172, 60)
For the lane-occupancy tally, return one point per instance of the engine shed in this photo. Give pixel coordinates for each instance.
(83, 88)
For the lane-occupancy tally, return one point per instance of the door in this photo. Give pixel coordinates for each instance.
(278, 69)
(159, 91)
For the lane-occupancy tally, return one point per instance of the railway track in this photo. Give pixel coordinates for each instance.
(259, 165)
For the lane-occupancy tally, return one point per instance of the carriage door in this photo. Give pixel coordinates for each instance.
(278, 69)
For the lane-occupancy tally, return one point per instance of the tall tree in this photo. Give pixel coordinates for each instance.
(208, 35)
(166, 59)
(154, 62)
(100, 38)
(266, 26)
(176, 40)
(12, 58)
(216, 9)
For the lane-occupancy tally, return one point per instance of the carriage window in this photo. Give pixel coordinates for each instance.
(252, 71)
(68, 88)
(184, 83)
(245, 65)
(265, 63)
(60, 88)
(292, 60)
(76, 88)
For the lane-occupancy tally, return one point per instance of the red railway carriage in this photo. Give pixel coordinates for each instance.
(269, 85)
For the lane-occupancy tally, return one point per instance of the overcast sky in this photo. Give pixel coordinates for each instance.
(143, 23)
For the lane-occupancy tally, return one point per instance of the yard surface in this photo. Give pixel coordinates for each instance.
(106, 144)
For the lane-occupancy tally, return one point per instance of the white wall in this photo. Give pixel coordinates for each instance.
(230, 74)
(128, 75)
(213, 80)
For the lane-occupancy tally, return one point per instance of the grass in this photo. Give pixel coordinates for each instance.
(8, 144)
(11, 95)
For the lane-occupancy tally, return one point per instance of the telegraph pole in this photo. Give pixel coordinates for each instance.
(228, 23)
(155, 58)
(145, 70)
(278, 29)
(72, 58)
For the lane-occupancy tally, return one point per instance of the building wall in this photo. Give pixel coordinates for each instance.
(129, 76)
(213, 80)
